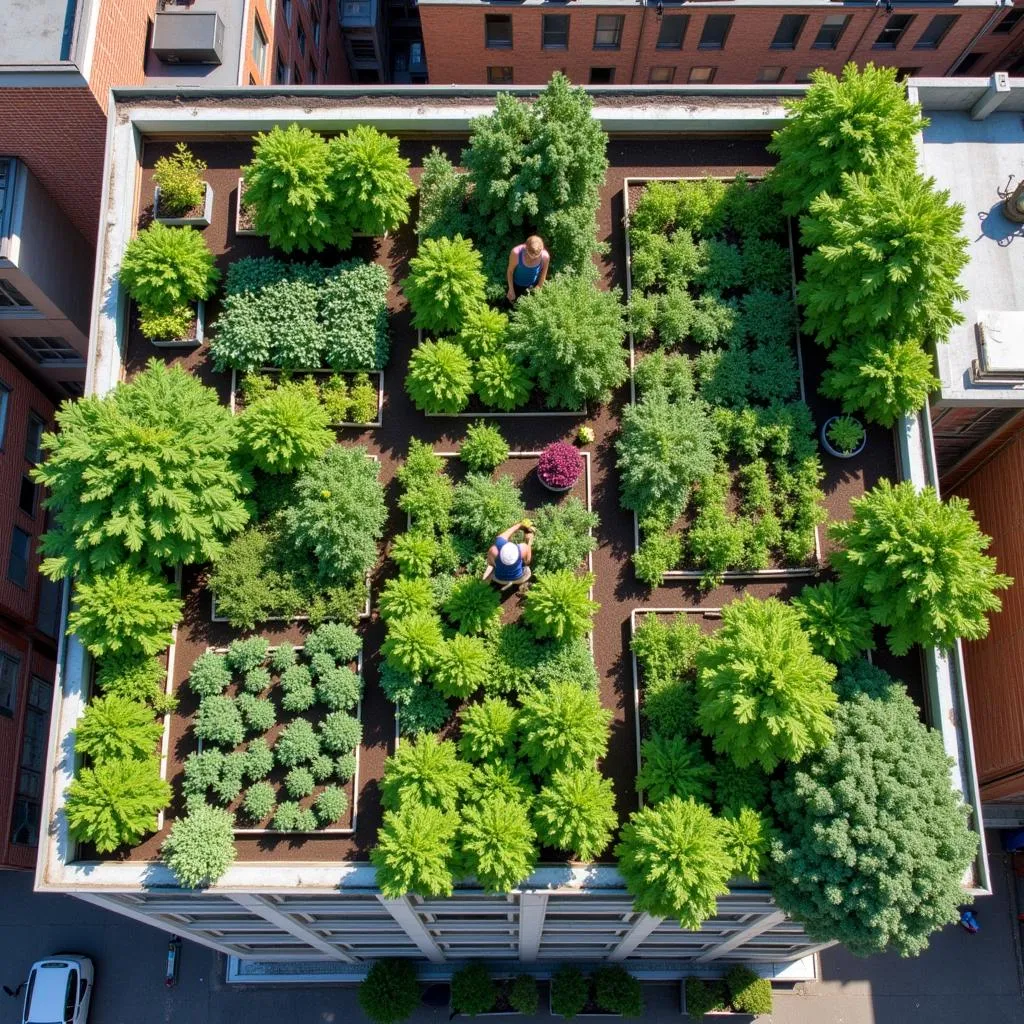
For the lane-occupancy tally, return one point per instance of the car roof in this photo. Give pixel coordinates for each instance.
(47, 1005)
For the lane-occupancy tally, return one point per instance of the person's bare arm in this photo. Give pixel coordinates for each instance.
(545, 263)
(509, 271)
(510, 532)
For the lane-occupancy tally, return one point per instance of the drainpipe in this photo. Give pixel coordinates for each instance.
(640, 39)
(974, 42)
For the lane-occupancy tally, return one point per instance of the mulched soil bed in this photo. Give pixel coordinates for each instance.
(616, 587)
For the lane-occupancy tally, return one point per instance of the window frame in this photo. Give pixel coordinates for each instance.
(611, 74)
(683, 20)
(761, 80)
(1011, 19)
(10, 669)
(17, 532)
(670, 80)
(27, 482)
(950, 21)
(544, 44)
(260, 43)
(820, 41)
(5, 411)
(801, 24)
(34, 738)
(35, 429)
(713, 69)
(494, 80)
(881, 43)
(619, 21)
(717, 19)
(493, 20)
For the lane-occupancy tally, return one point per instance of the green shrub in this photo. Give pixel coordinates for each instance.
(259, 802)
(165, 268)
(344, 766)
(340, 733)
(414, 852)
(565, 659)
(413, 645)
(329, 806)
(570, 991)
(497, 843)
(440, 378)
(124, 611)
(721, 266)
(482, 332)
(617, 991)
(672, 766)
(846, 819)
(672, 860)
(859, 122)
(503, 778)
(297, 744)
(250, 582)
(390, 993)
(337, 515)
(414, 553)
(766, 264)
(748, 993)
(482, 508)
(420, 707)
(425, 771)
(576, 812)
(132, 677)
(569, 336)
(340, 689)
(488, 730)
(918, 564)
(562, 727)
(765, 696)
(523, 995)
(473, 605)
(288, 193)
(245, 655)
(442, 196)
(365, 399)
(659, 552)
(322, 767)
(444, 283)
(883, 379)
(162, 433)
(180, 180)
(299, 782)
(256, 680)
(501, 382)
(704, 997)
(115, 803)
(746, 835)
(291, 816)
(285, 431)
(837, 623)
(259, 760)
(715, 321)
(337, 639)
(462, 666)
(484, 447)
(201, 846)
(404, 596)
(115, 728)
(369, 180)
(473, 990)
(558, 605)
(736, 787)
(219, 721)
(232, 774)
(564, 535)
(768, 318)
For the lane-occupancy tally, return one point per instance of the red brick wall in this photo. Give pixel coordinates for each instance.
(999, 51)
(454, 40)
(328, 58)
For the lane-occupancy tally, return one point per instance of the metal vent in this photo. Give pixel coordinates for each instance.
(1000, 346)
(188, 37)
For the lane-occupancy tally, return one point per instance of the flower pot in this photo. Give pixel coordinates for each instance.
(197, 335)
(834, 452)
(552, 487)
(199, 218)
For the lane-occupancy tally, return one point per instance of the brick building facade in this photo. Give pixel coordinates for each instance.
(616, 43)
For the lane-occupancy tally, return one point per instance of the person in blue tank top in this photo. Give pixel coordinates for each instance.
(527, 267)
(508, 563)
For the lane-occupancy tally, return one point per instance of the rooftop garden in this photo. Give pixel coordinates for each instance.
(348, 681)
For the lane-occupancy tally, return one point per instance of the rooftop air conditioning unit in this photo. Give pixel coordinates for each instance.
(188, 37)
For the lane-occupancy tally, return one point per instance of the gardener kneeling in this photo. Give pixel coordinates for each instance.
(508, 563)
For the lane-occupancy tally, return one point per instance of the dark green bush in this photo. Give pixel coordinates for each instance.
(523, 995)
(570, 990)
(617, 991)
(390, 992)
(703, 997)
(473, 990)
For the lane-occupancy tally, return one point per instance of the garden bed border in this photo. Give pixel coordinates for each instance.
(267, 370)
(781, 572)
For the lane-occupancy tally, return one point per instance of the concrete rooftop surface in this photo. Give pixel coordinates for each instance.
(36, 32)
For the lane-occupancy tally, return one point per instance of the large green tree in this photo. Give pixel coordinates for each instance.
(872, 840)
(146, 475)
(765, 696)
(919, 564)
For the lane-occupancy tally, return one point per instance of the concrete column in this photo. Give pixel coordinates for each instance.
(756, 927)
(998, 90)
(402, 911)
(262, 907)
(532, 908)
(642, 927)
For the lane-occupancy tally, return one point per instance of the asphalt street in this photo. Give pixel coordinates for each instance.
(960, 978)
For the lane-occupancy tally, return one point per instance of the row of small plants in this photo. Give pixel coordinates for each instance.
(563, 341)
(716, 440)
(740, 991)
(358, 404)
(158, 474)
(530, 723)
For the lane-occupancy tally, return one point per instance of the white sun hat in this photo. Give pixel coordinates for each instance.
(509, 554)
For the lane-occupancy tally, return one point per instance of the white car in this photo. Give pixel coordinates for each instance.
(58, 991)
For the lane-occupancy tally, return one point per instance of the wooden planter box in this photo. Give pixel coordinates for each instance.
(196, 220)
(193, 342)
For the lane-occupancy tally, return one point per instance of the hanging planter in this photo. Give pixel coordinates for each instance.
(559, 466)
(843, 437)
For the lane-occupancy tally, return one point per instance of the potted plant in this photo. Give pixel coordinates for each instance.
(843, 437)
(182, 196)
(559, 466)
(585, 435)
(742, 991)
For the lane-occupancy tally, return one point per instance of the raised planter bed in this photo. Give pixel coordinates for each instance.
(197, 334)
(377, 375)
(198, 217)
(244, 224)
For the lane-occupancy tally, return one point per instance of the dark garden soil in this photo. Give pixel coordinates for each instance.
(616, 588)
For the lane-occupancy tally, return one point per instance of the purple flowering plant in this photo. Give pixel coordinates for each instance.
(560, 465)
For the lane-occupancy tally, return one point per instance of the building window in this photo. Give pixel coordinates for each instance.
(672, 31)
(281, 70)
(704, 75)
(831, 31)
(662, 76)
(804, 74)
(889, 37)
(316, 32)
(49, 351)
(48, 612)
(1009, 22)
(555, 32)
(498, 31)
(5, 404)
(259, 47)
(34, 439)
(363, 49)
(770, 74)
(17, 562)
(608, 32)
(716, 28)
(286, 10)
(787, 35)
(28, 799)
(936, 31)
(12, 301)
(9, 665)
(27, 497)
(301, 37)
(499, 75)
(602, 76)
